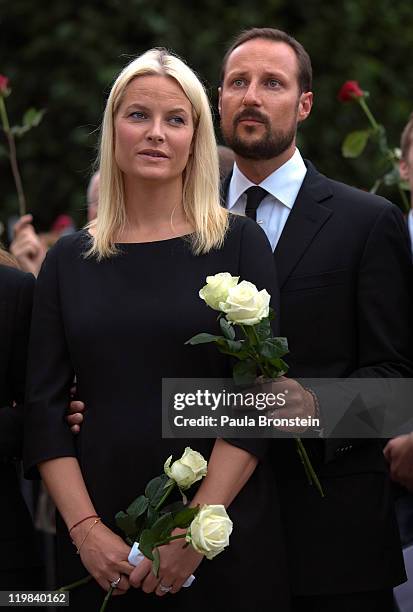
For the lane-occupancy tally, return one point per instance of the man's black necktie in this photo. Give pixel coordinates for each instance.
(254, 197)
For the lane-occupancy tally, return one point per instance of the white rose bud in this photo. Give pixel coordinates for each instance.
(216, 289)
(210, 530)
(246, 305)
(190, 468)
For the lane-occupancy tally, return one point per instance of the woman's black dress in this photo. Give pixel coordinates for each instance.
(120, 326)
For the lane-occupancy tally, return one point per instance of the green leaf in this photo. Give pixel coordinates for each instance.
(19, 130)
(147, 544)
(354, 143)
(236, 348)
(155, 489)
(162, 528)
(185, 517)
(245, 372)
(173, 508)
(138, 507)
(263, 328)
(126, 523)
(156, 562)
(278, 367)
(151, 517)
(203, 339)
(32, 117)
(273, 348)
(227, 329)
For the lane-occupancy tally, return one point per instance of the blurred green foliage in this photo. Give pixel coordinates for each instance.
(62, 56)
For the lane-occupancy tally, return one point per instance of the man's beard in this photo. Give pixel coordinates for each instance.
(272, 144)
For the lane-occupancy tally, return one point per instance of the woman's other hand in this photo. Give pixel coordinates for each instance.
(178, 562)
(104, 554)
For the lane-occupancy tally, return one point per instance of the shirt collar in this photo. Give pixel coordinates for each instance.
(283, 184)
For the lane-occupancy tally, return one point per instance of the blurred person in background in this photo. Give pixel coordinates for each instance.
(27, 246)
(399, 451)
(93, 197)
(20, 563)
(226, 161)
(30, 248)
(406, 168)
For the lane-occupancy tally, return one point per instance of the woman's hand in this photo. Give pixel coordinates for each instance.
(104, 554)
(178, 562)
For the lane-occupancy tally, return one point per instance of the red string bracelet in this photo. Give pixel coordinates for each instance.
(84, 519)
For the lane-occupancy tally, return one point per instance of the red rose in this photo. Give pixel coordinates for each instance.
(4, 82)
(350, 91)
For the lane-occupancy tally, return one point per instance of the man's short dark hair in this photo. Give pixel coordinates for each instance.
(407, 138)
(305, 72)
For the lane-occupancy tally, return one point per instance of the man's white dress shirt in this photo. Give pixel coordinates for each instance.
(282, 185)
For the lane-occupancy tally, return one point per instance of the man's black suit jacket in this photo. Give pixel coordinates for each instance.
(17, 545)
(344, 268)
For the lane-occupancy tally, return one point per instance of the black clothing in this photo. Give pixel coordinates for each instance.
(120, 325)
(255, 196)
(17, 544)
(343, 264)
(366, 601)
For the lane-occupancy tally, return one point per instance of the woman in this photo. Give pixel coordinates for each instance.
(114, 306)
(19, 561)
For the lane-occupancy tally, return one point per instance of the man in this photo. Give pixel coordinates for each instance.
(343, 262)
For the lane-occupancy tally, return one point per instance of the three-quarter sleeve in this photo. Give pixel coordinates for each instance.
(49, 374)
(257, 265)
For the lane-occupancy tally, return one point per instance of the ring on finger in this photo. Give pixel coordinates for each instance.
(114, 583)
(163, 588)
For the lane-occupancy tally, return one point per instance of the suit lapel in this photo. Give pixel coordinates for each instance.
(304, 222)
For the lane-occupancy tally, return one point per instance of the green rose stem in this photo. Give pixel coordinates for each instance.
(13, 157)
(74, 585)
(368, 112)
(106, 600)
(389, 153)
(251, 335)
(169, 490)
(311, 475)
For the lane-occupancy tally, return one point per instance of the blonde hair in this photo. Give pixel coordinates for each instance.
(201, 200)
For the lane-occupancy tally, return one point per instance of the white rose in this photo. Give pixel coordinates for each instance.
(190, 468)
(216, 289)
(246, 305)
(210, 530)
